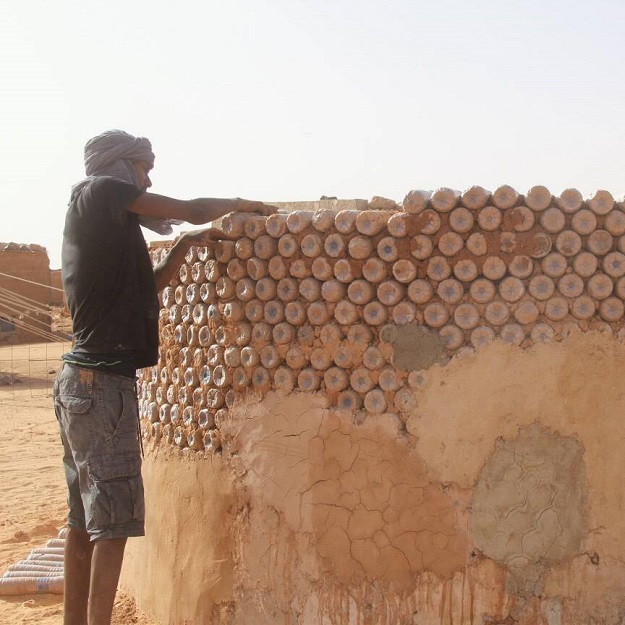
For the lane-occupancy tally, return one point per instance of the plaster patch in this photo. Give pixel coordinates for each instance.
(528, 510)
(414, 346)
(360, 493)
(377, 514)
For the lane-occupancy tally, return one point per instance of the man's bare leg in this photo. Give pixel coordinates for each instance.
(106, 565)
(78, 552)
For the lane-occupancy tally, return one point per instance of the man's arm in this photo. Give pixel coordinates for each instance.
(198, 211)
(167, 268)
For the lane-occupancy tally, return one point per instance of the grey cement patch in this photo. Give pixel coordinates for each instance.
(414, 347)
(528, 511)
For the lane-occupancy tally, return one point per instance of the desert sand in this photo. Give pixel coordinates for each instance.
(32, 484)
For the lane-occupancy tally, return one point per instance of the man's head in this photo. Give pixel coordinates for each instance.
(117, 153)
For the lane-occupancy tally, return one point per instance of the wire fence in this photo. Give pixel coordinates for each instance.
(30, 369)
(37, 318)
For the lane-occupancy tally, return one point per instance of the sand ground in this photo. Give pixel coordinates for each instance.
(32, 485)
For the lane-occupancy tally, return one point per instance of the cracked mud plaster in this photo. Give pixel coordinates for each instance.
(528, 510)
(414, 347)
(360, 494)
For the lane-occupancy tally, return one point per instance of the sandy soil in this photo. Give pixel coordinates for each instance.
(32, 485)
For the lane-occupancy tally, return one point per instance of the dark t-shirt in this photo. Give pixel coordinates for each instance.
(108, 277)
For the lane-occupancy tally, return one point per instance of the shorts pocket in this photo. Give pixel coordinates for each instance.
(74, 389)
(75, 405)
(117, 491)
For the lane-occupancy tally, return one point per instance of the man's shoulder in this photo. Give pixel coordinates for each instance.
(102, 200)
(105, 192)
(109, 184)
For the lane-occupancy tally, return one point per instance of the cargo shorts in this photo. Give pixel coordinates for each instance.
(98, 416)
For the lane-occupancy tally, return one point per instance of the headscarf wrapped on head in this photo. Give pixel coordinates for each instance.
(106, 150)
(112, 154)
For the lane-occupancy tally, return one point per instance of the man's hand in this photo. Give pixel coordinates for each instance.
(203, 237)
(169, 266)
(250, 206)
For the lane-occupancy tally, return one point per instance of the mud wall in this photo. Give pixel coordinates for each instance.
(402, 414)
(31, 265)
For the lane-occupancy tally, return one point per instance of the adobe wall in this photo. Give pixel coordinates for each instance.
(403, 415)
(31, 263)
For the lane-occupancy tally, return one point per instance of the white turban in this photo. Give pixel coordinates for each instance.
(105, 150)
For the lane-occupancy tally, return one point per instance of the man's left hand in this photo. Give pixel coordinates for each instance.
(204, 237)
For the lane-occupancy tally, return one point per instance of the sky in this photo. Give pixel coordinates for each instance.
(284, 100)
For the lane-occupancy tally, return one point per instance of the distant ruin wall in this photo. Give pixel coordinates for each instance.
(31, 266)
(382, 415)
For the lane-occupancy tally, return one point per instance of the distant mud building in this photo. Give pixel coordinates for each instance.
(28, 288)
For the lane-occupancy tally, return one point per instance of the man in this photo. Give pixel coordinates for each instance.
(111, 290)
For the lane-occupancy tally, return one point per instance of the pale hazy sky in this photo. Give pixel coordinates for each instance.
(291, 99)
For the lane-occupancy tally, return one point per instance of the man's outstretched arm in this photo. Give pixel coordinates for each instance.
(198, 211)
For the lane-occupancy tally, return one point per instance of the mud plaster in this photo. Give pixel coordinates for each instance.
(291, 457)
(414, 346)
(182, 571)
(574, 388)
(528, 510)
(332, 500)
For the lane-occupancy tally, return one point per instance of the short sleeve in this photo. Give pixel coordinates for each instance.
(110, 198)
